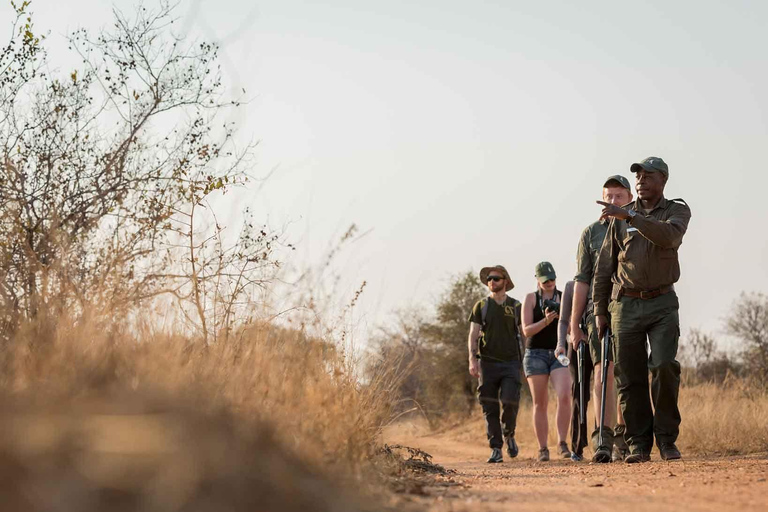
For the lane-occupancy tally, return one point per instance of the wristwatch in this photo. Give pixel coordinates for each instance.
(632, 214)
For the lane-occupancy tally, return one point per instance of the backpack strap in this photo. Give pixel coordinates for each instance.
(518, 312)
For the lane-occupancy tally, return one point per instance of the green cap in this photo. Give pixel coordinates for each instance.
(621, 180)
(651, 164)
(545, 272)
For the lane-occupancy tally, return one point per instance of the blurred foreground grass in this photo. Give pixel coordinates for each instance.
(272, 420)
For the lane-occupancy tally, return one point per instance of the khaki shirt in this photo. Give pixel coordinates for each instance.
(586, 255)
(642, 255)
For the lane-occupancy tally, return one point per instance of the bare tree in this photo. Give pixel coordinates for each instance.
(699, 347)
(104, 170)
(748, 322)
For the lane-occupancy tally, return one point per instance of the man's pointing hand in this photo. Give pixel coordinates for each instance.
(610, 210)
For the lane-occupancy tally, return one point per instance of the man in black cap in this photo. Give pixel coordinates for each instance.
(634, 281)
(495, 358)
(616, 191)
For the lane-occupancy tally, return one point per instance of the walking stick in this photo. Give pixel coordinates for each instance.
(580, 357)
(603, 371)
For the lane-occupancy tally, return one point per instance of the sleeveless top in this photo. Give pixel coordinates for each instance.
(547, 337)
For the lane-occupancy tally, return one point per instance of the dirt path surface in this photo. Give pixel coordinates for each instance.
(523, 484)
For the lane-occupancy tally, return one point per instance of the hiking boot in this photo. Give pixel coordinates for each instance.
(602, 455)
(669, 451)
(563, 450)
(576, 457)
(637, 457)
(620, 448)
(512, 449)
(619, 453)
(543, 454)
(495, 456)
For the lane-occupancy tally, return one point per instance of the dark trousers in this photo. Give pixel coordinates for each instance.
(636, 322)
(499, 382)
(579, 435)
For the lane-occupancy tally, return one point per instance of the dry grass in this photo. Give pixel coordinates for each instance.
(729, 419)
(98, 418)
(724, 419)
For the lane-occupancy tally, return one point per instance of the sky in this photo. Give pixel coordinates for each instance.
(463, 134)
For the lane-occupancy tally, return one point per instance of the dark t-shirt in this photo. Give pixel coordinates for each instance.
(498, 341)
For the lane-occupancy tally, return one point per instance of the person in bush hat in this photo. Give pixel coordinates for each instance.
(540, 362)
(495, 357)
(634, 282)
(616, 191)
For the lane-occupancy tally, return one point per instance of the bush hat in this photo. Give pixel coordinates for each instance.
(487, 270)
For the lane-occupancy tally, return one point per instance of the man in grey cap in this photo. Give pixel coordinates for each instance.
(495, 358)
(616, 191)
(634, 281)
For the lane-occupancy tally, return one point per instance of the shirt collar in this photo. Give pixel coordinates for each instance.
(661, 204)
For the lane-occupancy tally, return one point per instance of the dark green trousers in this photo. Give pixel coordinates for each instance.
(637, 323)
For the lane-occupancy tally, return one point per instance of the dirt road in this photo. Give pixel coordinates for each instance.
(523, 484)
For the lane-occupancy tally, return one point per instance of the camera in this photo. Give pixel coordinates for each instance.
(551, 305)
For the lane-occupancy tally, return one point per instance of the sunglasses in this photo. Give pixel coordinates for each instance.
(495, 279)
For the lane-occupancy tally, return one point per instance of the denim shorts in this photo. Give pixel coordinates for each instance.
(540, 361)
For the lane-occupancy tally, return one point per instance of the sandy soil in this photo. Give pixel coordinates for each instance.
(522, 484)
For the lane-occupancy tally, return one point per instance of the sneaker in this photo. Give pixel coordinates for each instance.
(576, 457)
(512, 449)
(638, 457)
(563, 450)
(619, 453)
(495, 456)
(543, 454)
(602, 455)
(669, 452)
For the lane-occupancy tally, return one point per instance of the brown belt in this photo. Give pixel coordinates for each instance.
(646, 294)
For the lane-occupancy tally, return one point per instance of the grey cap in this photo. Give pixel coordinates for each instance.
(651, 164)
(621, 180)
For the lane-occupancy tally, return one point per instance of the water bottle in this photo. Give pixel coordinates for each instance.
(563, 359)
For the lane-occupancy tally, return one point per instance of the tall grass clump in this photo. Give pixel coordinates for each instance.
(271, 403)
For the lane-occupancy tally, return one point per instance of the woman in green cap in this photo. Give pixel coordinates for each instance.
(540, 314)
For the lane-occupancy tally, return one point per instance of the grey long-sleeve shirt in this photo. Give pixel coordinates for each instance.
(566, 305)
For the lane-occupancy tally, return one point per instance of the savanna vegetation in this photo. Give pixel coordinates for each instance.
(142, 363)
(723, 399)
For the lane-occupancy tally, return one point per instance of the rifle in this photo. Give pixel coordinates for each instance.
(581, 376)
(603, 374)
